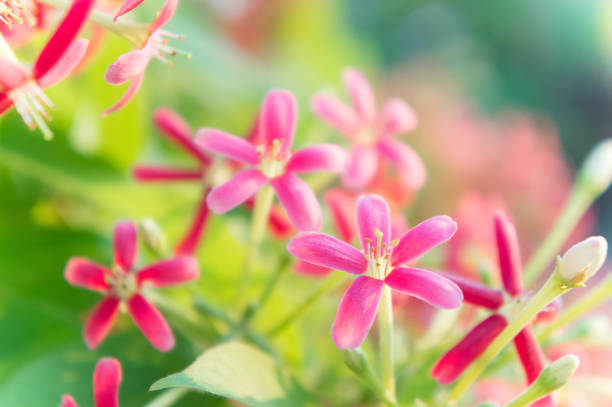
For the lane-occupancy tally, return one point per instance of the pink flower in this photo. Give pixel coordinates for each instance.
(371, 132)
(123, 284)
(269, 159)
(381, 262)
(460, 356)
(132, 66)
(23, 87)
(106, 381)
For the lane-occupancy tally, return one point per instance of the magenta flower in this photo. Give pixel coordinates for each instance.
(458, 358)
(270, 159)
(23, 87)
(132, 66)
(371, 132)
(122, 284)
(106, 381)
(381, 262)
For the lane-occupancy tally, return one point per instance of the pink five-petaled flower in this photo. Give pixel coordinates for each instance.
(132, 66)
(381, 262)
(23, 87)
(123, 284)
(271, 160)
(531, 356)
(106, 381)
(371, 132)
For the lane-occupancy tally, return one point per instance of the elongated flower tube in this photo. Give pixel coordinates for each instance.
(106, 381)
(270, 160)
(132, 66)
(123, 283)
(380, 263)
(23, 87)
(508, 253)
(371, 132)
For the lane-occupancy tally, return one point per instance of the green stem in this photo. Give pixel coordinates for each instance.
(334, 282)
(261, 212)
(553, 287)
(579, 201)
(598, 295)
(168, 398)
(385, 332)
(357, 361)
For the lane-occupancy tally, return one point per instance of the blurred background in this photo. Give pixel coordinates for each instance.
(510, 97)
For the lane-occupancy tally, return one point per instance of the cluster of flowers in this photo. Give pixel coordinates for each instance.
(262, 164)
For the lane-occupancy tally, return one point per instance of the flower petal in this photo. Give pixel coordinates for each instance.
(278, 118)
(336, 113)
(356, 312)
(311, 270)
(372, 215)
(299, 202)
(164, 15)
(476, 293)
(409, 167)
(327, 251)
(100, 321)
(68, 401)
(63, 36)
(128, 66)
(190, 241)
(398, 117)
(425, 285)
(151, 323)
(320, 157)
(151, 173)
(12, 75)
(454, 362)
(126, 7)
(172, 271)
(127, 96)
(361, 93)
(279, 223)
(228, 145)
(176, 129)
(125, 245)
(241, 187)
(65, 64)
(5, 103)
(423, 237)
(84, 273)
(362, 167)
(509, 253)
(106, 381)
(342, 207)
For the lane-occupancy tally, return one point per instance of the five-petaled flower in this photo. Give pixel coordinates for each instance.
(123, 284)
(131, 66)
(271, 160)
(371, 132)
(23, 87)
(106, 381)
(381, 262)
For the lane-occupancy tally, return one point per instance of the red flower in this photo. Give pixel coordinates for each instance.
(106, 380)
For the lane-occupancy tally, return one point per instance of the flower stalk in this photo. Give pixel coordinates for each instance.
(385, 332)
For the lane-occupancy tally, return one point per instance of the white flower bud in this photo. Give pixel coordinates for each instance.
(153, 236)
(597, 168)
(583, 260)
(557, 373)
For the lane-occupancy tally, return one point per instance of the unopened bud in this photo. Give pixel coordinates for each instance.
(356, 360)
(488, 404)
(153, 237)
(597, 169)
(583, 260)
(557, 373)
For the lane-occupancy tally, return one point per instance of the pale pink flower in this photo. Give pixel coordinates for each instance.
(269, 159)
(23, 87)
(123, 283)
(106, 381)
(132, 66)
(371, 132)
(380, 263)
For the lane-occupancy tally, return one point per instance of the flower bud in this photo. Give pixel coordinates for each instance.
(153, 236)
(557, 373)
(597, 169)
(356, 360)
(583, 260)
(488, 404)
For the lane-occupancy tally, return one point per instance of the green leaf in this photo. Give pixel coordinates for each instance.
(240, 372)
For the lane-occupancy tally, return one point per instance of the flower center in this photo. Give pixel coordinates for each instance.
(366, 136)
(123, 284)
(158, 43)
(378, 256)
(272, 162)
(32, 105)
(14, 11)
